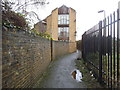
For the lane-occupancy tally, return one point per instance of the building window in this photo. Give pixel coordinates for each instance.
(63, 33)
(63, 19)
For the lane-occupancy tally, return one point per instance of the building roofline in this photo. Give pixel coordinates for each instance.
(65, 6)
(54, 9)
(43, 22)
(72, 9)
(58, 8)
(46, 18)
(68, 7)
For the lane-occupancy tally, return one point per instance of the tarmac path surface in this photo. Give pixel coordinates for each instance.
(60, 73)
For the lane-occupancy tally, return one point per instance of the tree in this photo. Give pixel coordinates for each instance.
(19, 6)
(16, 5)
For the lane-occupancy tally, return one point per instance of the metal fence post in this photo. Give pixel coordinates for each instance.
(100, 52)
(114, 63)
(111, 63)
(108, 59)
(118, 44)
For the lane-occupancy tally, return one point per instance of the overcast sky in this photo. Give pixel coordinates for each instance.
(86, 11)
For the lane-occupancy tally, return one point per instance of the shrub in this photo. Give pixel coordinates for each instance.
(44, 35)
(13, 20)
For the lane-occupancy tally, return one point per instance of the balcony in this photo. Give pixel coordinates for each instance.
(63, 25)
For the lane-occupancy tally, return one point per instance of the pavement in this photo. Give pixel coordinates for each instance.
(60, 76)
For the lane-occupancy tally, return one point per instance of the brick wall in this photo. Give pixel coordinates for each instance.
(54, 23)
(25, 57)
(72, 25)
(40, 27)
(72, 47)
(60, 48)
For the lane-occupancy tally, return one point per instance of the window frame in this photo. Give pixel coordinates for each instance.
(63, 18)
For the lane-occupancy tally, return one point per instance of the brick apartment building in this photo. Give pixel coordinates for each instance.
(61, 25)
(40, 26)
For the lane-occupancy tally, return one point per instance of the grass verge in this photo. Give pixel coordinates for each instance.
(87, 75)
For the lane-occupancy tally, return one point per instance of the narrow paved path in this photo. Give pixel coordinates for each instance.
(60, 74)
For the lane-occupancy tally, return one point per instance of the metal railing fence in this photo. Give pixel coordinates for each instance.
(101, 50)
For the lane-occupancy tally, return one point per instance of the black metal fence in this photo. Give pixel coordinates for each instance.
(101, 50)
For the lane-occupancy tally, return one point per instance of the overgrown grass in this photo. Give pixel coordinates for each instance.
(88, 77)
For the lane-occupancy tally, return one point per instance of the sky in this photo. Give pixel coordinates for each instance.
(86, 11)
